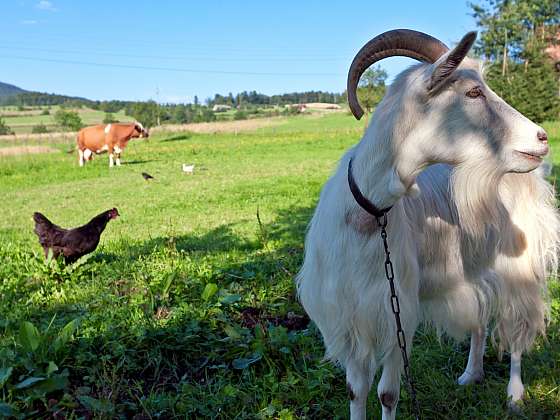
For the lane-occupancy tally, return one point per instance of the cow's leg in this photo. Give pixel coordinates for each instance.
(111, 157)
(81, 157)
(118, 151)
(474, 372)
(515, 389)
(359, 376)
(388, 389)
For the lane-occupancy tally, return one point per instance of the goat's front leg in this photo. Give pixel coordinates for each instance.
(388, 389)
(359, 376)
(515, 389)
(474, 372)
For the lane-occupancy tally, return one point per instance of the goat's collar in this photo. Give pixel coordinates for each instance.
(362, 201)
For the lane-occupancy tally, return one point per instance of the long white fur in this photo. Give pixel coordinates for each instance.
(473, 249)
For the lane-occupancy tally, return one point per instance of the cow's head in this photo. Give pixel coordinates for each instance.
(142, 132)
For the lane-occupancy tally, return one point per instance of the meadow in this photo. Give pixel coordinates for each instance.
(21, 122)
(187, 309)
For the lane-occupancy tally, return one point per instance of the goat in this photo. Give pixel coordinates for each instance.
(473, 228)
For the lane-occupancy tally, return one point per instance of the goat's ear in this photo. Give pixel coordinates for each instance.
(450, 61)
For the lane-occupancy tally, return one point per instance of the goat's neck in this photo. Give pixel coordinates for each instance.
(375, 172)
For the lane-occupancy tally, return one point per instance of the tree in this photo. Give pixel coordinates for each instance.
(530, 88)
(39, 129)
(145, 112)
(68, 120)
(514, 37)
(109, 118)
(371, 87)
(180, 115)
(509, 25)
(4, 129)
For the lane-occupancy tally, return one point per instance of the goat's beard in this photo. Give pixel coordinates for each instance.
(475, 191)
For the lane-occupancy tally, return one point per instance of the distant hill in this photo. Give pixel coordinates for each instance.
(13, 95)
(9, 90)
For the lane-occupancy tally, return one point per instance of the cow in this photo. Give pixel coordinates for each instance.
(111, 138)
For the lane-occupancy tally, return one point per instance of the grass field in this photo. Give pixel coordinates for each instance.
(23, 123)
(187, 308)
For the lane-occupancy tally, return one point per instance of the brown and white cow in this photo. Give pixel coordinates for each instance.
(111, 138)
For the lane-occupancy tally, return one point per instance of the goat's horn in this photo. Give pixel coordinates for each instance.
(398, 42)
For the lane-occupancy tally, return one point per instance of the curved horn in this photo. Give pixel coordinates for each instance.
(398, 42)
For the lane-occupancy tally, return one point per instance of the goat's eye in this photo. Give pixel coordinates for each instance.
(475, 92)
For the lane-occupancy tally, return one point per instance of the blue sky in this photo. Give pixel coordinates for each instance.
(172, 50)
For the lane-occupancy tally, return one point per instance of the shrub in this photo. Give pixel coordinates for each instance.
(68, 120)
(291, 110)
(4, 129)
(208, 115)
(39, 129)
(45, 112)
(240, 115)
(109, 118)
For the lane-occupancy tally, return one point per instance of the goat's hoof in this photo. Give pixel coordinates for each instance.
(515, 407)
(468, 378)
(515, 392)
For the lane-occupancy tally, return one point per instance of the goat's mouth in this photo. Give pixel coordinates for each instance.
(534, 156)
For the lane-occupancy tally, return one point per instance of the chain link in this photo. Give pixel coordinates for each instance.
(395, 305)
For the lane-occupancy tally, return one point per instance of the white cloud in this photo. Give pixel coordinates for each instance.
(28, 22)
(45, 5)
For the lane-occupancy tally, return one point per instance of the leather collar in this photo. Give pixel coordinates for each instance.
(362, 201)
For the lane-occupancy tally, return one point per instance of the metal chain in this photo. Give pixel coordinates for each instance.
(382, 221)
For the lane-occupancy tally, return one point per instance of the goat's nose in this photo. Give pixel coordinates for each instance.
(541, 135)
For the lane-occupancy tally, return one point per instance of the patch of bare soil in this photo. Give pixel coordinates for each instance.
(23, 150)
(222, 126)
(250, 317)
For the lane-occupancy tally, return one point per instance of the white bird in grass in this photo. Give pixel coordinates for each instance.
(189, 169)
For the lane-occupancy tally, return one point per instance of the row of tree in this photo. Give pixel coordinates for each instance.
(254, 98)
(241, 99)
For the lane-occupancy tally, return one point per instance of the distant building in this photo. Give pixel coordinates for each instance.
(315, 106)
(221, 108)
(321, 105)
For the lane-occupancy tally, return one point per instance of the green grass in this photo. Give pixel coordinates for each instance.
(160, 319)
(21, 124)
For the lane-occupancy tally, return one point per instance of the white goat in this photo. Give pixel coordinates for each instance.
(473, 229)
